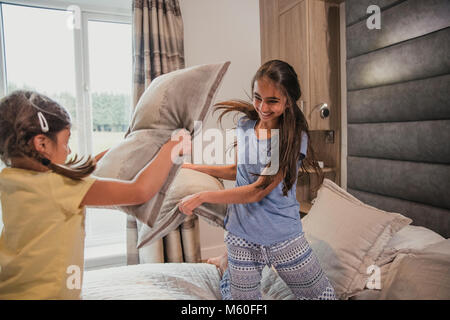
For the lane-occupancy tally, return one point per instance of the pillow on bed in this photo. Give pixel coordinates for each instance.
(420, 274)
(186, 183)
(348, 236)
(404, 241)
(408, 238)
(173, 100)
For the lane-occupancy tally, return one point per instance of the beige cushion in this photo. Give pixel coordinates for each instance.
(348, 236)
(174, 100)
(407, 239)
(420, 274)
(186, 183)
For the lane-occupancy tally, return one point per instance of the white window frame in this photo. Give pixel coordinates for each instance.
(98, 10)
(95, 10)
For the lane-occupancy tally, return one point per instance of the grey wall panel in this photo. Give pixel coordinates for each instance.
(398, 96)
(356, 10)
(414, 181)
(419, 58)
(434, 218)
(427, 99)
(407, 20)
(422, 141)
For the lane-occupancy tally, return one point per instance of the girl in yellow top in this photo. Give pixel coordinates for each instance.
(43, 198)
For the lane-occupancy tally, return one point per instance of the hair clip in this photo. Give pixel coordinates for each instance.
(43, 122)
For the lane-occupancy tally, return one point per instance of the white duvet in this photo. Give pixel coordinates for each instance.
(169, 281)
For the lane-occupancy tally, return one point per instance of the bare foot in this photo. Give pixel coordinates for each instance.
(221, 262)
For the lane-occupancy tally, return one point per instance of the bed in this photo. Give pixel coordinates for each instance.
(168, 281)
(367, 253)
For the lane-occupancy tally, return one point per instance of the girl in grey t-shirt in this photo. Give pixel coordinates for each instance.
(263, 220)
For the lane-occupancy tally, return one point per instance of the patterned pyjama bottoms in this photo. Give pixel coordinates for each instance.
(293, 259)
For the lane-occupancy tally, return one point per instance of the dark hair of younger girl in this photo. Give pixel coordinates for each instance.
(19, 123)
(292, 123)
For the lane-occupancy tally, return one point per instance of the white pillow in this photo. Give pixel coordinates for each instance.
(348, 236)
(414, 237)
(408, 238)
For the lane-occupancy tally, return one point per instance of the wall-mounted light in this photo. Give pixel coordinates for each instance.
(324, 110)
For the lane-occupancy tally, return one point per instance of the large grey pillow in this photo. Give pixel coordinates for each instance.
(173, 100)
(186, 183)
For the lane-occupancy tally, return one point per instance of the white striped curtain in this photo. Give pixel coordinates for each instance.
(158, 49)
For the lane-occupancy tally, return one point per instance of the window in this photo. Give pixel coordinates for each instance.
(39, 58)
(87, 68)
(110, 88)
(110, 72)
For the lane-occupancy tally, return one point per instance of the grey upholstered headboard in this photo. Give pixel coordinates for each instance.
(398, 109)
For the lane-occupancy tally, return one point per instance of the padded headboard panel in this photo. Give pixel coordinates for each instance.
(398, 109)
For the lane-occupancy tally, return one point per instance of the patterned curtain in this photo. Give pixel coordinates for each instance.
(158, 49)
(157, 41)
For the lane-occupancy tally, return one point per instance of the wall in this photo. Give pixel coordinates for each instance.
(398, 80)
(216, 31)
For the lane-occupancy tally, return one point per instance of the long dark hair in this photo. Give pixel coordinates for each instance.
(19, 123)
(292, 123)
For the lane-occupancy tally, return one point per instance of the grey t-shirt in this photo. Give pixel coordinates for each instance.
(276, 217)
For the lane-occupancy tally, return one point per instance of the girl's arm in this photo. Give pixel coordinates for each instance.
(223, 172)
(100, 155)
(143, 187)
(243, 194)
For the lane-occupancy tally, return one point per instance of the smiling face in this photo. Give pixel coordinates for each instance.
(269, 102)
